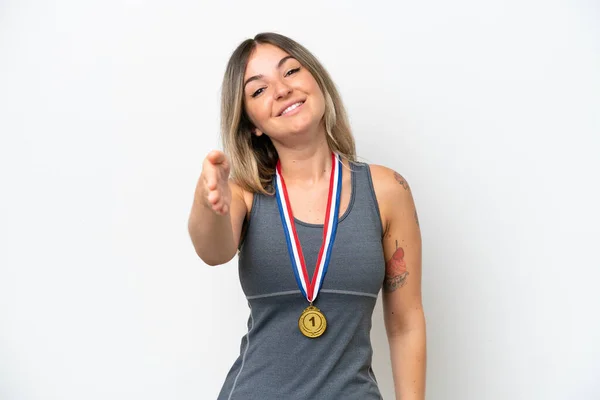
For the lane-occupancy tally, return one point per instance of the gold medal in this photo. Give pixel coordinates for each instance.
(312, 322)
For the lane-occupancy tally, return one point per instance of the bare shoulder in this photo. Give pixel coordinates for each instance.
(393, 193)
(242, 196)
(248, 199)
(388, 182)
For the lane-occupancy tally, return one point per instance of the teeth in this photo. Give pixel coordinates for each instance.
(290, 108)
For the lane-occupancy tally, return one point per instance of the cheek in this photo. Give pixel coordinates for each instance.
(258, 112)
(318, 94)
(320, 100)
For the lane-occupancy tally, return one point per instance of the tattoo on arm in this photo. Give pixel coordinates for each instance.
(395, 271)
(401, 180)
(404, 184)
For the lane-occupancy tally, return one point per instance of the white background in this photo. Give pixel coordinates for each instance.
(489, 109)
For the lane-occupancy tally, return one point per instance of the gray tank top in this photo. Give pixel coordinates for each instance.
(276, 361)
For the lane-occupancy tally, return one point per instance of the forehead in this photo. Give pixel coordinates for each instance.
(263, 59)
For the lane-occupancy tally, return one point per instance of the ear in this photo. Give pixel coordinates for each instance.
(257, 132)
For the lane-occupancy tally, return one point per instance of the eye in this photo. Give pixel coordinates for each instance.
(292, 71)
(259, 91)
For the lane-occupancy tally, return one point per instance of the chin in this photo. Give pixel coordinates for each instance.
(299, 125)
(305, 125)
(303, 129)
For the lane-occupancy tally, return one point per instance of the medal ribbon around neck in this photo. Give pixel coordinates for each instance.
(310, 288)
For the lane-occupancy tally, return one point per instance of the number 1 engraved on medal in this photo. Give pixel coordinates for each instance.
(312, 322)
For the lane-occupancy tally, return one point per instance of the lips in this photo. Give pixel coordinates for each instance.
(289, 107)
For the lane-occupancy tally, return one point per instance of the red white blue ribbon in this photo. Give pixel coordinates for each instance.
(310, 288)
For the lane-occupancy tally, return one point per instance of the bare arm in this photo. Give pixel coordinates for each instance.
(402, 305)
(217, 213)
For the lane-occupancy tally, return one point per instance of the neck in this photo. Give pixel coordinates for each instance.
(308, 164)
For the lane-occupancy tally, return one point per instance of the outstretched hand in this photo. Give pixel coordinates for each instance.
(213, 185)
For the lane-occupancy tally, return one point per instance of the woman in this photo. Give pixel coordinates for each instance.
(318, 234)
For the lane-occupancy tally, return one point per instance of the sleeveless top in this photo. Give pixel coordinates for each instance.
(276, 361)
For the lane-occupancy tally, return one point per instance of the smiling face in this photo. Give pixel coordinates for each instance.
(281, 97)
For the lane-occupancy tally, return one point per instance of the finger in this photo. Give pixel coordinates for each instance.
(224, 209)
(211, 183)
(216, 157)
(213, 197)
(220, 209)
(212, 178)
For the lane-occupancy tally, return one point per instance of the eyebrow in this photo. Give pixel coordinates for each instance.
(257, 77)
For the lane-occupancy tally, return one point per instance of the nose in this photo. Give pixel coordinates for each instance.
(281, 90)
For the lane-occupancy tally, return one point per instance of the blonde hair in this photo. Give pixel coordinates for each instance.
(253, 158)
